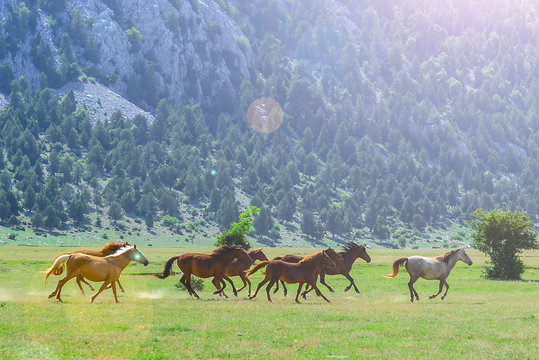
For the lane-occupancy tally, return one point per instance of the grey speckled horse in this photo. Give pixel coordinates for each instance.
(436, 268)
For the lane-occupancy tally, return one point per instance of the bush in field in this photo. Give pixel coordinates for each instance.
(502, 235)
(236, 234)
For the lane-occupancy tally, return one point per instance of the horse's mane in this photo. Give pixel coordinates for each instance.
(310, 256)
(349, 246)
(113, 246)
(223, 249)
(126, 247)
(445, 257)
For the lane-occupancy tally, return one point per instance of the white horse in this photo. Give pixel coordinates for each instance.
(428, 268)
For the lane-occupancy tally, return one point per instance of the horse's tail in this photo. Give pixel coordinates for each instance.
(400, 261)
(58, 266)
(168, 266)
(258, 266)
(60, 269)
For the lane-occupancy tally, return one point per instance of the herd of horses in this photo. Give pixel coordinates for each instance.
(228, 261)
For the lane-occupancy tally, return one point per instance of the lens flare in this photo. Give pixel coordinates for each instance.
(265, 115)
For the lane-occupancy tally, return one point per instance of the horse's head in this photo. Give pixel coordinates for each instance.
(326, 261)
(242, 255)
(464, 257)
(137, 256)
(257, 254)
(363, 253)
(333, 255)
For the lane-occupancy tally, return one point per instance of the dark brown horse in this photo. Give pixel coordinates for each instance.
(207, 265)
(303, 272)
(239, 268)
(107, 249)
(351, 251)
(106, 269)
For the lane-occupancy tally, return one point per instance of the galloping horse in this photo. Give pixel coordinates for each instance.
(428, 268)
(107, 249)
(351, 251)
(106, 269)
(303, 272)
(207, 265)
(291, 258)
(239, 268)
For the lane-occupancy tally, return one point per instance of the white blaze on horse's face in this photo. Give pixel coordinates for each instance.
(464, 257)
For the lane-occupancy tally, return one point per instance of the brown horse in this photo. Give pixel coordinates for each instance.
(239, 268)
(351, 251)
(207, 265)
(107, 249)
(303, 272)
(106, 269)
(437, 268)
(291, 258)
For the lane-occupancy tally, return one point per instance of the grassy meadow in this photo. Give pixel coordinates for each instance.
(479, 318)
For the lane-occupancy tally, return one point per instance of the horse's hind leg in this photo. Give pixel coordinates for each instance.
(61, 284)
(259, 286)
(413, 293)
(446, 289)
(318, 292)
(439, 290)
(299, 290)
(189, 287)
(268, 288)
(103, 287)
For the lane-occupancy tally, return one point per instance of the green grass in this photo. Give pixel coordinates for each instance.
(479, 319)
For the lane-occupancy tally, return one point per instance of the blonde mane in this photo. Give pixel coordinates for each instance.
(445, 257)
(122, 250)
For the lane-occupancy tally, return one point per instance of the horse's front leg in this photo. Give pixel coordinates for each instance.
(446, 289)
(323, 282)
(60, 285)
(220, 286)
(352, 283)
(318, 292)
(114, 292)
(79, 279)
(439, 290)
(268, 288)
(86, 282)
(120, 285)
(232, 284)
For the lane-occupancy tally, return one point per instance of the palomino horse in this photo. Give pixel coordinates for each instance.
(93, 268)
(351, 251)
(436, 268)
(107, 249)
(239, 268)
(207, 265)
(302, 272)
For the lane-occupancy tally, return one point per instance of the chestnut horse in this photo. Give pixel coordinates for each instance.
(302, 272)
(239, 268)
(207, 265)
(429, 268)
(291, 258)
(351, 251)
(106, 269)
(107, 249)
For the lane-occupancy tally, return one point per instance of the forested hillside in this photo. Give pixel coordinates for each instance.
(400, 117)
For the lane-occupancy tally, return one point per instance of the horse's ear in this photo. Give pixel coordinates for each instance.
(135, 246)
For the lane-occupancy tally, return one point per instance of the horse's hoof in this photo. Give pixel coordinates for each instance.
(346, 289)
(122, 290)
(357, 292)
(51, 295)
(432, 297)
(331, 290)
(443, 297)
